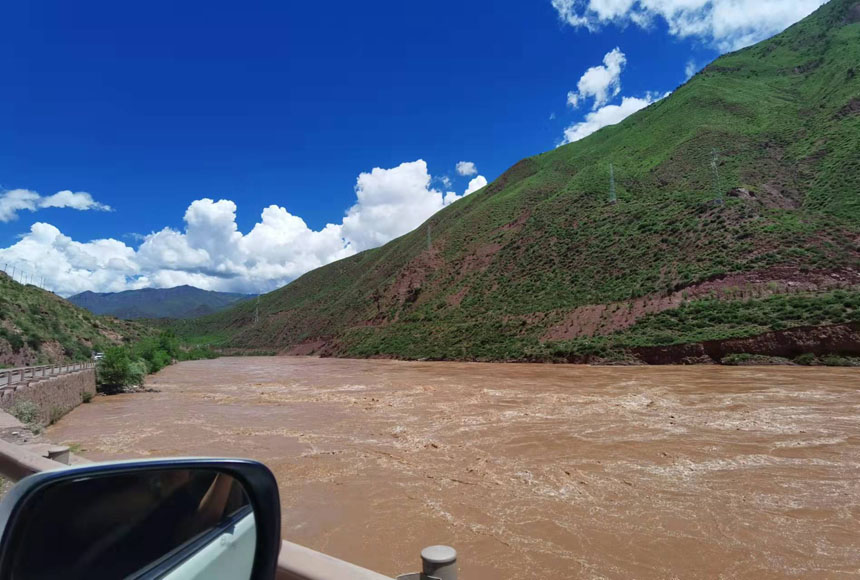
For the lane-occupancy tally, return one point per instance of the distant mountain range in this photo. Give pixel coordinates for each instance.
(178, 302)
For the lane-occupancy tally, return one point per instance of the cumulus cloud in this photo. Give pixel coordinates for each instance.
(690, 69)
(724, 24)
(466, 168)
(600, 83)
(603, 84)
(476, 184)
(212, 253)
(604, 116)
(390, 202)
(17, 200)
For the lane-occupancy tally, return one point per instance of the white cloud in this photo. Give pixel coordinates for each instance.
(212, 253)
(466, 168)
(17, 200)
(690, 69)
(725, 24)
(476, 184)
(604, 116)
(390, 202)
(600, 83)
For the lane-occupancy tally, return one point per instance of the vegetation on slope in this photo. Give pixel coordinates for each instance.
(178, 302)
(39, 327)
(512, 264)
(127, 366)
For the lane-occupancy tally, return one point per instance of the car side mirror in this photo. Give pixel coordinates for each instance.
(166, 518)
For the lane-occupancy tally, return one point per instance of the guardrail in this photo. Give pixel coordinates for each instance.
(295, 562)
(9, 377)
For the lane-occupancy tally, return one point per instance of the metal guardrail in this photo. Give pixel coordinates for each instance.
(9, 377)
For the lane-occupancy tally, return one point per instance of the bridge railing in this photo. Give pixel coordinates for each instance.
(9, 377)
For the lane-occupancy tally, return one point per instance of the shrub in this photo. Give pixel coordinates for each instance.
(158, 352)
(832, 360)
(25, 411)
(86, 396)
(806, 359)
(55, 414)
(736, 359)
(116, 369)
(159, 360)
(198, 353)
(15, 339)
(137, 373)
(753, 359)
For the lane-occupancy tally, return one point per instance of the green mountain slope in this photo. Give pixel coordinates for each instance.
(539, 265)
(178, 302)
(39, 327)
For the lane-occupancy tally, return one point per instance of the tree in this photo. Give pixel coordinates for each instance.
(116, 369)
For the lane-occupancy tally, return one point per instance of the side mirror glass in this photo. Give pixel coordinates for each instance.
(175, 519)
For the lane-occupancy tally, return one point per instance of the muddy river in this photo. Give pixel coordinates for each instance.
(530, 471)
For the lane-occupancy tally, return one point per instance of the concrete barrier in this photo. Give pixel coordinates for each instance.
(54, 393)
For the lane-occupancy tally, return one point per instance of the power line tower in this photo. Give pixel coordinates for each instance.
(612, 197)
(718, 193)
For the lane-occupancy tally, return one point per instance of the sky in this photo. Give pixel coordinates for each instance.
(235, 146)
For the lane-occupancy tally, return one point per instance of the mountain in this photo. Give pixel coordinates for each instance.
(39, 327)
(737, 216)
(178, 302)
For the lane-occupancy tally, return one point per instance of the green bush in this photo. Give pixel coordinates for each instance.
(55, 415)
(832, 360)
(198, 353)
(16, 341)
(806, 359)
(115, 368)
(86, 396)
(752, 359)
(160, 359)
(25, 411)
(137, 372)
(736, 359)
(158, 352)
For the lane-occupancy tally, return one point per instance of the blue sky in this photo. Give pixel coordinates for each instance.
(148, 107)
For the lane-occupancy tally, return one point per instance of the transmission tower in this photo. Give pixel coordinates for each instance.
(718, 193)
(612, 197)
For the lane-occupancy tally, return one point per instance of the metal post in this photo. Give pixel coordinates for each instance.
(439, 562)
(612, 197)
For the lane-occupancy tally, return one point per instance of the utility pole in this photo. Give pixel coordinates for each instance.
(612, 197)
(714, 166)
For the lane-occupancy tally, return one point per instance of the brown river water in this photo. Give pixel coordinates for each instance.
(529, 471)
